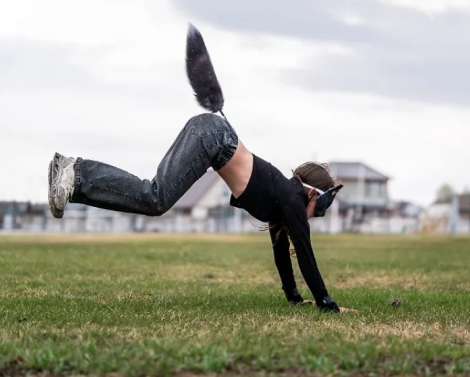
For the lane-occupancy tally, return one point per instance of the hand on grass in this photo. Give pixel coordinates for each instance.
(341, 309)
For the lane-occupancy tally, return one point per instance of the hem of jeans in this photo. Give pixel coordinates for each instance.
(77, 180)
(228, 153)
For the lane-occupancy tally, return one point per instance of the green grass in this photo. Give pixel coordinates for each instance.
(158, 305)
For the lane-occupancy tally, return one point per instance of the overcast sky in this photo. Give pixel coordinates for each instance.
(383, 82)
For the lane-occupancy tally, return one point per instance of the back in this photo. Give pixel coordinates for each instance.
(265, 190)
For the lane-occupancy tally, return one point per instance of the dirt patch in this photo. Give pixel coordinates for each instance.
(406, 330)
(391, 279)
(355, 332)
(42, 238)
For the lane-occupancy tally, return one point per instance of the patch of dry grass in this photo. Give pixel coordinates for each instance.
(41, 238)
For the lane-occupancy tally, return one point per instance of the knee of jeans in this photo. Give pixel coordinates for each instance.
(156, 209)
(208, 121)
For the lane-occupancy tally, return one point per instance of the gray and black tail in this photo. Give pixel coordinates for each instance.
(201, 73)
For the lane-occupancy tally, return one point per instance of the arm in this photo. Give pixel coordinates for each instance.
(295, 216)
(283, 263)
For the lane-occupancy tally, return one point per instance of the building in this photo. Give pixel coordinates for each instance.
(464, 213)
(448, 217)
(22, 215)
(364, 197)
(365, 189)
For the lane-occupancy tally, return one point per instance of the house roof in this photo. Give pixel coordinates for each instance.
(190, 198)
(354, 170)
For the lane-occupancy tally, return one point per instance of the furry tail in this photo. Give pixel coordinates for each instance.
(201, 73)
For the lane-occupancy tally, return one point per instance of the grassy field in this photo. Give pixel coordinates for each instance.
(158, 305)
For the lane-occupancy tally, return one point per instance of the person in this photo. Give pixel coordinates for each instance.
(209, 141)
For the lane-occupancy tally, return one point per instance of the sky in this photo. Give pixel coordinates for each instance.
(384, 82)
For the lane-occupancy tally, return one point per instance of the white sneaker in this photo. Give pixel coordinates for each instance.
(61, 183)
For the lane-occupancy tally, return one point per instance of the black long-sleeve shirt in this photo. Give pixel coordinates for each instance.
(271, 197)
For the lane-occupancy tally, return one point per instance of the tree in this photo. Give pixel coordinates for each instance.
(444, 194)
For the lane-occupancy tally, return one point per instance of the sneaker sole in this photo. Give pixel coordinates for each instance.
(57, 213)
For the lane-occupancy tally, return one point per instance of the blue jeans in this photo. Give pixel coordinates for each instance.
(207, 140)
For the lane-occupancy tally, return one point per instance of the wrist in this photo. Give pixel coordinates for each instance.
(293, 295)
(327, 304)
(320, 296)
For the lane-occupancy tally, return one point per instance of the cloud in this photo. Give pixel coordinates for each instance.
(395, 50)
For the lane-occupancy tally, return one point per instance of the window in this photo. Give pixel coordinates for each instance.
(374, 189)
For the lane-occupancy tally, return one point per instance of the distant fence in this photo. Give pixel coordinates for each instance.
(101, 221)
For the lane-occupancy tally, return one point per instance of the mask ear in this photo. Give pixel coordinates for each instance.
(325, 200)
(336, 189)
